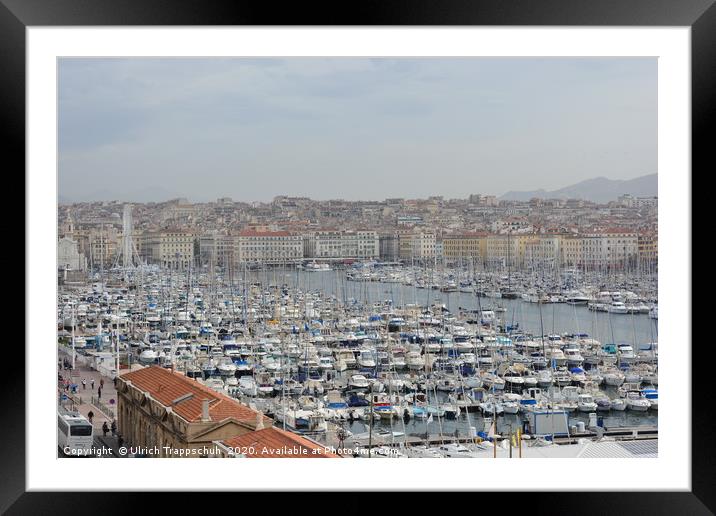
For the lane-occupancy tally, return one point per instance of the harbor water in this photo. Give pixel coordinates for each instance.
(534, 318)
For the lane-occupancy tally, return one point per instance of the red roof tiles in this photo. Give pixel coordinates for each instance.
(166, 386)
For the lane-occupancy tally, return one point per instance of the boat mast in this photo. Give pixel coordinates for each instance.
(73, 338)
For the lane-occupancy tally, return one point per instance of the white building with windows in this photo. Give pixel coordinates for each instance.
(423, 245)
(171, 248)
(68, 255)
(269, 246)
(334, 244)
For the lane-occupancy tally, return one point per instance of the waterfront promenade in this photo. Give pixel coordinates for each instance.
(86, 400)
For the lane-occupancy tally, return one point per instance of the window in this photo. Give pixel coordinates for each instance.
(81, 430)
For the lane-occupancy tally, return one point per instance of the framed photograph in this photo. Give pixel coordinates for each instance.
(418, 233)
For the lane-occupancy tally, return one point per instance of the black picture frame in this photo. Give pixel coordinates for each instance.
(17, 15)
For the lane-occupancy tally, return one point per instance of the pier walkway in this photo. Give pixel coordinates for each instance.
(86, 400)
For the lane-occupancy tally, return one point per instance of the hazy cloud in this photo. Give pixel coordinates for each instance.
(350, 128)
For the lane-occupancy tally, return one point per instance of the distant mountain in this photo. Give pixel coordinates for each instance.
(599, 189)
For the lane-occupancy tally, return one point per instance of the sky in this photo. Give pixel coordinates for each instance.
(151, 129)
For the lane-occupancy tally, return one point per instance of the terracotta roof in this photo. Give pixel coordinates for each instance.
(166, 387)
(273, 442)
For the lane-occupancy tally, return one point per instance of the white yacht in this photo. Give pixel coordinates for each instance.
(625, 353)
(636, 402)
(248, 386)
(366, 358)
(617, 307)
(226, 367)
(586, 403)
(325, 363)
(614, 378)
(358, 382)
(652, 396)
(619, 404)
(148, 356)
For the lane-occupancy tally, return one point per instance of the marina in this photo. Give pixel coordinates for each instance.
(375, 357)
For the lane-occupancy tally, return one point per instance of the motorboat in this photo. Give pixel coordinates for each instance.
(636, 402)
(492, 382)
(614, 378)
(577, 375)
(562, 377)
(398, 360)
(513, 381)
(573, 356)
(226, 367)
(248, 386)
(358, 382)
(336, 406)
(603, 402)
(545, 379)
(586, 403)
(619, 404)
(652, 396)
(625, 353)
(216, 384)
(632, 376)
(148, 356)
(617, 307)
(446, 384)
(325, 363)
(491, 407)
(382, 406)
(366, 359)
(511, 403)
(301, 420)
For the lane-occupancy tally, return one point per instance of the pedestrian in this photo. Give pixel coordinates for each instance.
(114, 427)
(101, 382)
(105, 428)
(99, 393)
(92, 383)
(84, 384)
(90, 415)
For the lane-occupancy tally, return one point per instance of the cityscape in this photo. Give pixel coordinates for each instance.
(491, 320)
(538, 234)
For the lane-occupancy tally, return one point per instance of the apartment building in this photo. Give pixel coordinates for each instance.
(269, 246)
(172, 248)
(648, 245)
(218, 249)
(465, 246)
(332, 244)
(502, 250)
